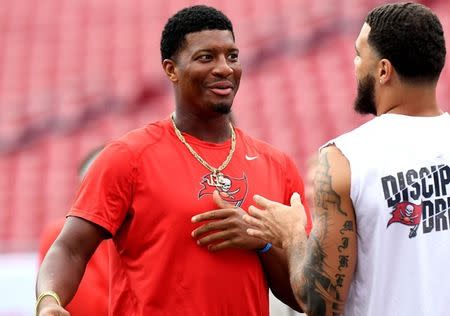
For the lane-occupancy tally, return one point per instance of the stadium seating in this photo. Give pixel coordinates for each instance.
(75, 74)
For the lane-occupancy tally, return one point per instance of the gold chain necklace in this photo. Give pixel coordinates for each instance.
(216, 176)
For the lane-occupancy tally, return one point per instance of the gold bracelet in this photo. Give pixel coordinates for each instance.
(44, 294)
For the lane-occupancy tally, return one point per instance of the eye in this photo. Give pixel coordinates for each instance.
(205, 57)
(233, 56)
(356, 51)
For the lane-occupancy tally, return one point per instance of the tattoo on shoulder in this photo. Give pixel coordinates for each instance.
(325, 196)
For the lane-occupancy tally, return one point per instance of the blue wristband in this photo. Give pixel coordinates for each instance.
(266, 248)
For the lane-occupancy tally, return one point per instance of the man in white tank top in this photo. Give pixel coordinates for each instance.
(380, 243)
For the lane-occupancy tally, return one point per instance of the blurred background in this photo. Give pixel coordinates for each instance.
(75, 74)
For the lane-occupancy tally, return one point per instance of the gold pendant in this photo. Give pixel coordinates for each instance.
(215, 179)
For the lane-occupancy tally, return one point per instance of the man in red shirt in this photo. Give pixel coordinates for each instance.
(92, 294)
(172, 195)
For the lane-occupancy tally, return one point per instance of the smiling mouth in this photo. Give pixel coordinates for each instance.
(222, 91)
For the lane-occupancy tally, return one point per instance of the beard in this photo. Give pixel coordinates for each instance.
(365, 100)
(222, 108)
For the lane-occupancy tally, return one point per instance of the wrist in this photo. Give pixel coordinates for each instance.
(296, 244)
(264, 249)
(47, 298)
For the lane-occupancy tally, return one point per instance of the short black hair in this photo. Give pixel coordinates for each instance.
(189, 20)
(411, 37)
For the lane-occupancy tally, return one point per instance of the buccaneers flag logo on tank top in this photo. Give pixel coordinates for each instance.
(233, 190)
(419, 197)
(407, 213)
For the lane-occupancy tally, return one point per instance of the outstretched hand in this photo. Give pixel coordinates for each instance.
(275, 222)
(225, 228)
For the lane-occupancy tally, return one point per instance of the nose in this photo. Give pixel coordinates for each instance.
(222, 67)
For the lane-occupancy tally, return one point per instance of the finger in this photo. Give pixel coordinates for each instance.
(256, 212)
(221, 246)
(212, 238)
(262, 201)
(296, 200)
(251, 220)
(221, 203)
(208, 227)
(211, 215)
(257, 233)
(264, 236)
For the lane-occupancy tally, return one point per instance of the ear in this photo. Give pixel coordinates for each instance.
(169, 67)
(385, 71)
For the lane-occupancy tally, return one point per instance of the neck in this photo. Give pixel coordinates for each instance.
(412, 100)
(210, 129)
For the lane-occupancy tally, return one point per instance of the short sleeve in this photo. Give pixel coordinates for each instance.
(105, 194)
(295, 184)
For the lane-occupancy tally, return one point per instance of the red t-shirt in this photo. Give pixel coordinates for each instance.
(92, 294)
(145, 187)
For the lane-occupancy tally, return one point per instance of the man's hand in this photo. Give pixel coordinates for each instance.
(275, 222)
(225, 229)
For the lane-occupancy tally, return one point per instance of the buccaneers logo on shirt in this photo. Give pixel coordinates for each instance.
(233, 190)
(428, 184)
(407, 213)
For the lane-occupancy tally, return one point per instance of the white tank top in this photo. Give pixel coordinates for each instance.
(400, 188)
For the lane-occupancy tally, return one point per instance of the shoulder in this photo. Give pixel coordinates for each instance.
(333, 162)
(359, 132)
(123, 154)
(139, 139)
(134, 143)
(269, 153)
(359, 141)
(256, 146)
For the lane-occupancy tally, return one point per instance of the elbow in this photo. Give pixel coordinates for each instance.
(313, 304)
(319, 296)
(287, 297)
(316, 300)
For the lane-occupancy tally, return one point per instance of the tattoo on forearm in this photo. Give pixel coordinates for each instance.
(344, 244)
(348, 226)
(319, 290)
(343, 262)
(313, 285)
(339, 279)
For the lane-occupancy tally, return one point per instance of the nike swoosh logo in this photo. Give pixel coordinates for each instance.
(250, 157)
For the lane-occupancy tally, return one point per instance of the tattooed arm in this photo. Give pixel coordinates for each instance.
(322, 280)
(322, 266)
